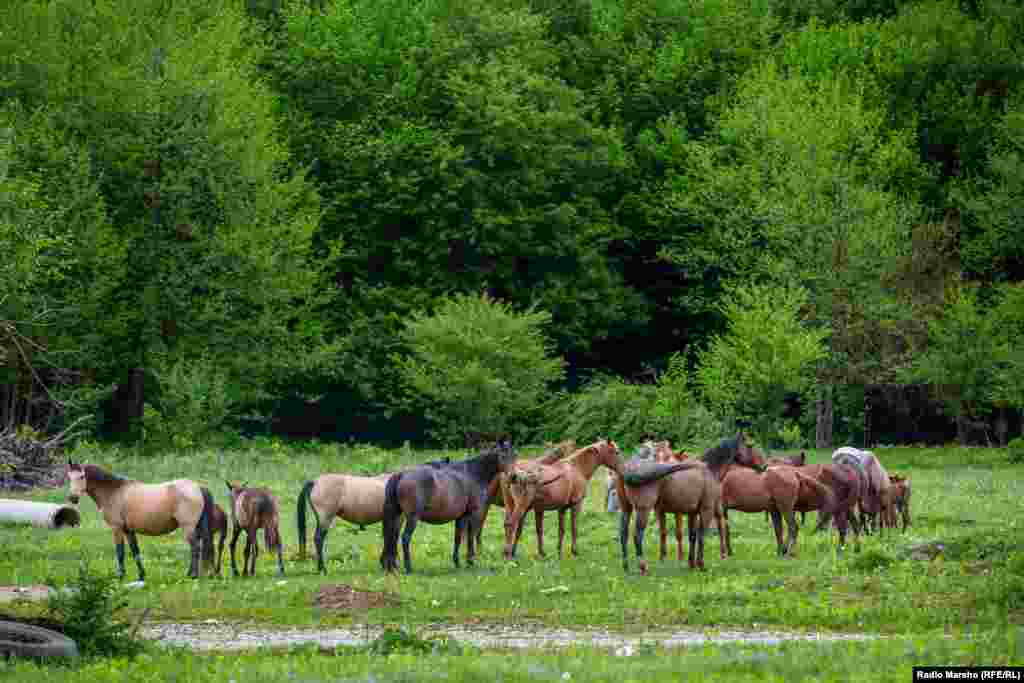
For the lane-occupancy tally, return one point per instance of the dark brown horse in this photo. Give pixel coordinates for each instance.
(692, 487)
(130, 507)
(218, 525)
(438, 495)
(253, 509)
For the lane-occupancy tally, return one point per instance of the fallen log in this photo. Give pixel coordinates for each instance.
(45, 515)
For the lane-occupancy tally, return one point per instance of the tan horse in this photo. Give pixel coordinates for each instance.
(777, 491)
(495, 493)
(663, 453)
(253, 509)
(564, 488)
(353, 498)
(130, 507)
(692, 487)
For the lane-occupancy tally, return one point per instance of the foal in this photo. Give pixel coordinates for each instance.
(252, 509)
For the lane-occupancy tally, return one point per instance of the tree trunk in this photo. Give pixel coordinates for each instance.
(823, 429)
(963, 432)
(1002, 426)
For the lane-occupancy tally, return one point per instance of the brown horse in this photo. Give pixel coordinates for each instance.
(495, 493)
(253, 509)
(876, 499)
(780, 490)
(564, 488)
(130, 507)
(692, 487)
(218, 525)
(663, 453)
(353, 498)
(901, 498)
(437, 495)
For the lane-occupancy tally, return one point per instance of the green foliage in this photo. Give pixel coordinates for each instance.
(678, 413)
(480, 367)
(89, 608)
(871, 561)
(394, 641)
(765, 354)
(1016, 450)
(607, 407)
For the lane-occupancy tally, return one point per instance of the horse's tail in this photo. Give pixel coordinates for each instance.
(205, 528)
(271, 534)
(392, 513)
(649, 473)
(301, 516)
(824, 491)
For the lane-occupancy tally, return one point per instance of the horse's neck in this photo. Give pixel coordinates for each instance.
(720, 471)
(586, 462)
(103, 492)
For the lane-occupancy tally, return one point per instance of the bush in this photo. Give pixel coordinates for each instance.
(1016, 450)
(88, 608)
(478, 368)
(607, 407)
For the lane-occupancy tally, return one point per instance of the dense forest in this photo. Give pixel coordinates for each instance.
(226, 214)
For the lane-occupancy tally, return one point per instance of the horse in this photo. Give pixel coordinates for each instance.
(663, 453)
(693, 487)
(353, 498)
(253, 509)
(876, 500)
(564, 487)
(130, 507)
(780, 490)
(495, 493)
(451, 493)
(218, 525)
(646, 451)
(901, 498)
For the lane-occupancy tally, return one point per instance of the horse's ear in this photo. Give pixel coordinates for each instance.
(230, 488)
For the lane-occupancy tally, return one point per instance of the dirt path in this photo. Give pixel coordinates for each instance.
(214, 635)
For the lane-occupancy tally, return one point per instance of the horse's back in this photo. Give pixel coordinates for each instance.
(156, 509)
(688, 490)
(438, 495)
(354, 498)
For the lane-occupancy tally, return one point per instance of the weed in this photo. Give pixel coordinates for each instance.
(872, 560)
(88, 608)
(1015, 450)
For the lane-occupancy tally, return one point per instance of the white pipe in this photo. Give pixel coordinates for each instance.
(46, 515)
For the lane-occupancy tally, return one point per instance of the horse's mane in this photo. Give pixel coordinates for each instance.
(723, 454)
(580, 451)
(98, 474)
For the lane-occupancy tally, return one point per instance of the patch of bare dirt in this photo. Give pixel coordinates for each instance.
(345, 598)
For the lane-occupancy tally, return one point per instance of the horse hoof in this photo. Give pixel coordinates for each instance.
(643, 568)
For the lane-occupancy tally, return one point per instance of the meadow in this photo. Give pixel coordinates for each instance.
(963, 606)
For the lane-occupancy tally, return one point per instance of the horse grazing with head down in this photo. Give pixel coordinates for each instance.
(876, 499)
(353, 498)
(692, 487)
(130, 507)
(563, 487)
(438, 495)
(253, 509)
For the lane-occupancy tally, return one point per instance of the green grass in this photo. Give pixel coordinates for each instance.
(971, 507)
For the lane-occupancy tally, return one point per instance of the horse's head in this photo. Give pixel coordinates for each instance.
(749, 455)
(506, 455)
(76, 481)
(234, 488)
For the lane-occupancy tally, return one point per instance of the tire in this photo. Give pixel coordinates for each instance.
(23, 640)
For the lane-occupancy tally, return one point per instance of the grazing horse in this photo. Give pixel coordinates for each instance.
(131, 507)
(253, 509)
(495, 493)
(565, 484)
(876, 498)
(218, 525)
(353, 498)
(693, 487)
(437, 495)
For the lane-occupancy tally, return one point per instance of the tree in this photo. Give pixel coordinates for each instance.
(479, 368)
(766, 353)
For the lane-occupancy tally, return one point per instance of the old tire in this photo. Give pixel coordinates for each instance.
(23, 640)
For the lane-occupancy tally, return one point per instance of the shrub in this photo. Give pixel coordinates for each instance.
(88, 608)
(478, 368)
(607, 407)
(1016, 450)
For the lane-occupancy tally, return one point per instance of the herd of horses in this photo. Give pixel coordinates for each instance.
(854, 491)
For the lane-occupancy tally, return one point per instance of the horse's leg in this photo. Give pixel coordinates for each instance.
(642, 515)
(472, 548)
(320, 539)
(704, 523)
(791, 532)
(624, 519)
(246, 553)
(119, 551)
(235, 531)
(691, 535)
(662, 534)
(777, 525)
(195, 544)
(220, 548)
(561, 531)
(723, 533)
(133, 545)
(574, 514)
(679, 534)
(538, 518)
(410, 527)
(460, 528)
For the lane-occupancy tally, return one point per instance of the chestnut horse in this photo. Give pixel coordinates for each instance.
(495, 494)
(253, 509)
(693, 487)
(130, 507)
(218, 525)
(565, 484)
(353, 498)
(451, 493)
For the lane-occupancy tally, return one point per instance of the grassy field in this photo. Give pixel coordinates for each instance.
(966, 499)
